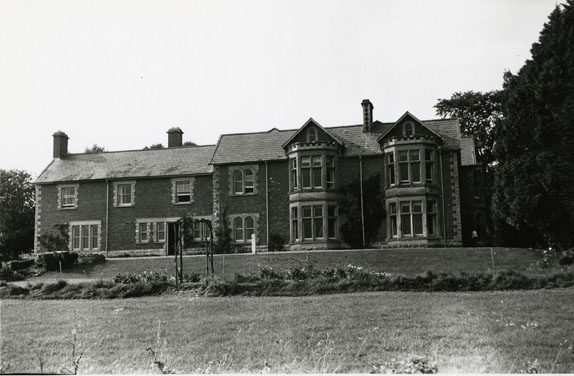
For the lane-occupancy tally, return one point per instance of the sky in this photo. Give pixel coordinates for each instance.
(119, 74)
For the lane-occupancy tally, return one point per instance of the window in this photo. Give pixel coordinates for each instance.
(307, 222)
(293, 163)
(200, 231)
(238, 229)
(406, 228)
(393, 219)
(477, 183)
(409, 166)
(243, 226)
(429, 165)
(390, 168)
(317, 221)
(242, 181)
(183, 191)
(160, 232)
(294, 223)
(68, 197)
(316, 171)
(143, 234)
(432, 222)
(330, 160)
(248, 181)
(417, 207)
(249, 228)
(124, 196)
(409, 128)
(332, 221)
(312, 135)
(306, 171)
(85, 236)
(411, 218)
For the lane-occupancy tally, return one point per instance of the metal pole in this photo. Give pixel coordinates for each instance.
(362, 207)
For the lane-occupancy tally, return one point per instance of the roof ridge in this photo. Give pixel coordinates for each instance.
(135, 150)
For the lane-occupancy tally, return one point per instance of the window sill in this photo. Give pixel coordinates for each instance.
(243, 194)
(183, 203)
(68, 208)
(125, 206)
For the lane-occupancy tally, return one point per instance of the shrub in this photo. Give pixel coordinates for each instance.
(150, 277)
(267, 272)
(50, 261)
(6, 274)
(20, 264)
(49, 288)
(192, 277)
(567, 257)
(276, 243)
(91, 258)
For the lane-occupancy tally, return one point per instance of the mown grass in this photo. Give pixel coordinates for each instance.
(479, 332)
(403, 261)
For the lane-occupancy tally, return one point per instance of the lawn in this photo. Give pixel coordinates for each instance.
(404, 261)
(481, 332)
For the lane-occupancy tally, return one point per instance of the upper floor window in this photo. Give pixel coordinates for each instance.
(124, 194)
(408, 128)
(182, 191)
(68, 196)
(293, 173)
(243, 181)
(312, 135)
(408, 166)
(315, 171)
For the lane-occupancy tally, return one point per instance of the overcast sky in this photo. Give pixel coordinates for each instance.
(121, 73)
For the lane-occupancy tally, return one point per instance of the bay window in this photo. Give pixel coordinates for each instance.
(316, 221)
(317, 171)
(412, 218)
(411, 166)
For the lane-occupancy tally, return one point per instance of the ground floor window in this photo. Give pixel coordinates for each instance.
(200, 231)
(317, 221)
(243, 226)
(85, 235)
(412, 218)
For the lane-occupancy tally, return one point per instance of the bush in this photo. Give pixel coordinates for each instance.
(276, 243)
(150, 277)
(6, 274)
(91, 258)
(48, 288)
(20, 264)
(567, 257)
(50, 261)
(15, 290)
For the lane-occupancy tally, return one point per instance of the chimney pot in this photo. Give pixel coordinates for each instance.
(60, 144)
(174, 137)
(367, 115)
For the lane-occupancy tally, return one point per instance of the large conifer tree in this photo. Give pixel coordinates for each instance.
(534, 184)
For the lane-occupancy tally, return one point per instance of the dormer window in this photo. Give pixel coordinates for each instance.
(408, 129)
(312, 135)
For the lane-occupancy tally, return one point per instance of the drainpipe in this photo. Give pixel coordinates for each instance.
(442, 198)
(107, 212)
(267, 203)
(362, 207)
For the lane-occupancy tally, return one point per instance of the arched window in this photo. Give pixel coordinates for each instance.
(312, 135)
(249, 228)
(238, 229)
(238, 182)
(248, 181)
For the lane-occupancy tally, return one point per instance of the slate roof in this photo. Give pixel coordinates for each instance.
(467, 151)
(267, 146)
(129, 164)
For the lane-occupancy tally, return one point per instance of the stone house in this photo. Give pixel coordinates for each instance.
(284, 182)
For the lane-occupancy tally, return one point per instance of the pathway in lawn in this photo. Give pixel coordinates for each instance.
(403, 261)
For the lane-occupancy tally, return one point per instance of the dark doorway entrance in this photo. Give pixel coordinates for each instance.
(172, 236)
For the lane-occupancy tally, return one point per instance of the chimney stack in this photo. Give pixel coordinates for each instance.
(174, 137)
(367, 115)
(60, 144)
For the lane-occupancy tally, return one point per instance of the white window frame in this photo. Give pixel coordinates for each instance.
(246, 185)
(90, 225)
(297, 208)
(176, 194)
(118, 196)
(243, 217)
(63, 197)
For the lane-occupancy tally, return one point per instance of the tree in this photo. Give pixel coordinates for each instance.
(17, 204)
(189, 143)
(95, 149)
(534, 180)
(154, 147)
(479, 113)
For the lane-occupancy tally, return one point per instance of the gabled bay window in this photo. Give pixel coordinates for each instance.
(408, 166)
(316, 171)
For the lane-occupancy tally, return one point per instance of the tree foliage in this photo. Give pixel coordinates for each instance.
(17, 204)
(95, 149)
(534, 182)
(350, 209)
(189, 143)
(479, 113)
(154, 147)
